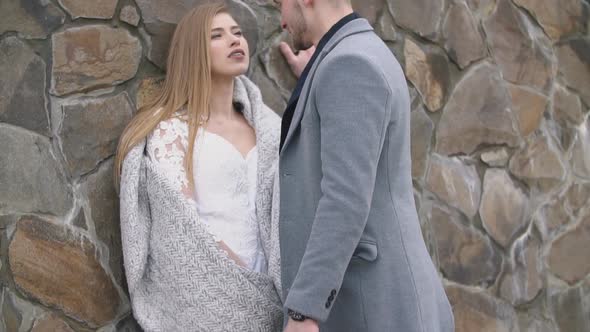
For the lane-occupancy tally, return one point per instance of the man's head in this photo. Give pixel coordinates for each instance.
(308, 20)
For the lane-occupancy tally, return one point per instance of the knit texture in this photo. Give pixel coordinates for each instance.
(178, 278)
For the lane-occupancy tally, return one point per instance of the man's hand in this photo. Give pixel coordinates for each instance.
(308, 325)
(298, 61)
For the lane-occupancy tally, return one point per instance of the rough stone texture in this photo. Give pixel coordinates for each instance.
(277, 67)
(463, 41)
(528, 106)
(532, 323)
(475, 310)
(574, 64)
(80, 220)
(89, 8)
(478, 112)
(428, 70)
(420, 16)
(369, 9)
(51, 323)
(482, 6)
(524, 59)
(578, 197)
(160, 19)
(92, 56)
(104, 212)
(503, 207)
(567, 107)
(27, 187)
(455, 183)
(551, 218)
(22, 87)
(268, 89)
(385, 27)
(422, 131)
(32, 19)
(465, 255)
(581, 152)
(130, 15)
(11, 317)
(557, 17)
(540, 162)
(495, 158)
(147, 90)
(571, 309)
(269, 20)
(60, 269)
(523, 282)
(90, 130)
(568, 258)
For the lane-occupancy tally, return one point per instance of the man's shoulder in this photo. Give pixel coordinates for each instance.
(366, 45)
(367, 49)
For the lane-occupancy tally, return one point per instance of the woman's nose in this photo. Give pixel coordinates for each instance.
(235, 40)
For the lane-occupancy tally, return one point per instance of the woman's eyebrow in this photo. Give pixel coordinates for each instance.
(221, 29)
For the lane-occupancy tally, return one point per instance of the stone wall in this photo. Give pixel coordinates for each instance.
(500, 130)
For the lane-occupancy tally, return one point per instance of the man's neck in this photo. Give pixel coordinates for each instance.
(324, 22)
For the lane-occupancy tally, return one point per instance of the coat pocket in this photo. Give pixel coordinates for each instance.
(366, 250)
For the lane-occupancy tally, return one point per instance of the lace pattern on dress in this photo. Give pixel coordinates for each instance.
(168, 145)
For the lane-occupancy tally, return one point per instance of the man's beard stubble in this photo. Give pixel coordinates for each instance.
(299, 30)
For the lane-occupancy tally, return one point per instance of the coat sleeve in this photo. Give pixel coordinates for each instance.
(135, 220)
(352, 100)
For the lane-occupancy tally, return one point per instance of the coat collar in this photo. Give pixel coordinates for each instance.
(353, 27)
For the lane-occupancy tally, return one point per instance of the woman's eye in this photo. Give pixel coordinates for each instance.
(215, 36)
(238, 33)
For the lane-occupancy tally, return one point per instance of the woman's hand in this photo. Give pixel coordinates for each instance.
(231, 253)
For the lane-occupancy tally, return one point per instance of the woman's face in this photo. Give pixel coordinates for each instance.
(229, 49)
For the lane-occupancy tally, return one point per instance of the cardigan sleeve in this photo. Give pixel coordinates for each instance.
(135, 219)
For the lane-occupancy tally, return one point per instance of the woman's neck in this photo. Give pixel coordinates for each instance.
(222, 90)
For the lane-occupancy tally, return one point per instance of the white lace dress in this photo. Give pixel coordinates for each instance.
(225, 185)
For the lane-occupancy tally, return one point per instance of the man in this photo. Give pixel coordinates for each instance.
(353, 256)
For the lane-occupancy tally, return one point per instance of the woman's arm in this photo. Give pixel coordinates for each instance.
(230, 253)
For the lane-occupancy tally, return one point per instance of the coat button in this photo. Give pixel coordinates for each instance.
(328, 303)
(333, 292)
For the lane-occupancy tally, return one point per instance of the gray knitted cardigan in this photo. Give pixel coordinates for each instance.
(178, 278)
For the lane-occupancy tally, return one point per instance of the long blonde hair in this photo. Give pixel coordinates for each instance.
(187, 84)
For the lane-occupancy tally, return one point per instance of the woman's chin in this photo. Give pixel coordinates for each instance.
(231, 72)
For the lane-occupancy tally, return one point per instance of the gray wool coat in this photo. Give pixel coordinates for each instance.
(352, 252)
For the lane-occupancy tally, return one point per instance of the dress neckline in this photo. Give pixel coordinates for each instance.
(230, 144)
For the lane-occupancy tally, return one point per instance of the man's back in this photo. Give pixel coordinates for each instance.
(353, 256)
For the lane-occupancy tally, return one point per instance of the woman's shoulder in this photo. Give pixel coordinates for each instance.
(170, 132)
(175, 124)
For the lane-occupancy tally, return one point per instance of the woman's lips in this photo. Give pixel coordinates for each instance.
(237, 54)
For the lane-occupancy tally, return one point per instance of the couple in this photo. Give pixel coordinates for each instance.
(234, 221)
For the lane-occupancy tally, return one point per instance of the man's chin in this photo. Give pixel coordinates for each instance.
(300, 45)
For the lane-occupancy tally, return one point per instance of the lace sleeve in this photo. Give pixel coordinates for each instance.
(167, 146)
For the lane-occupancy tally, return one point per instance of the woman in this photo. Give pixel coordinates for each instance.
(196, 171)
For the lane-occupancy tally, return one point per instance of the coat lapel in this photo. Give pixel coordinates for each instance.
(354, 27)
